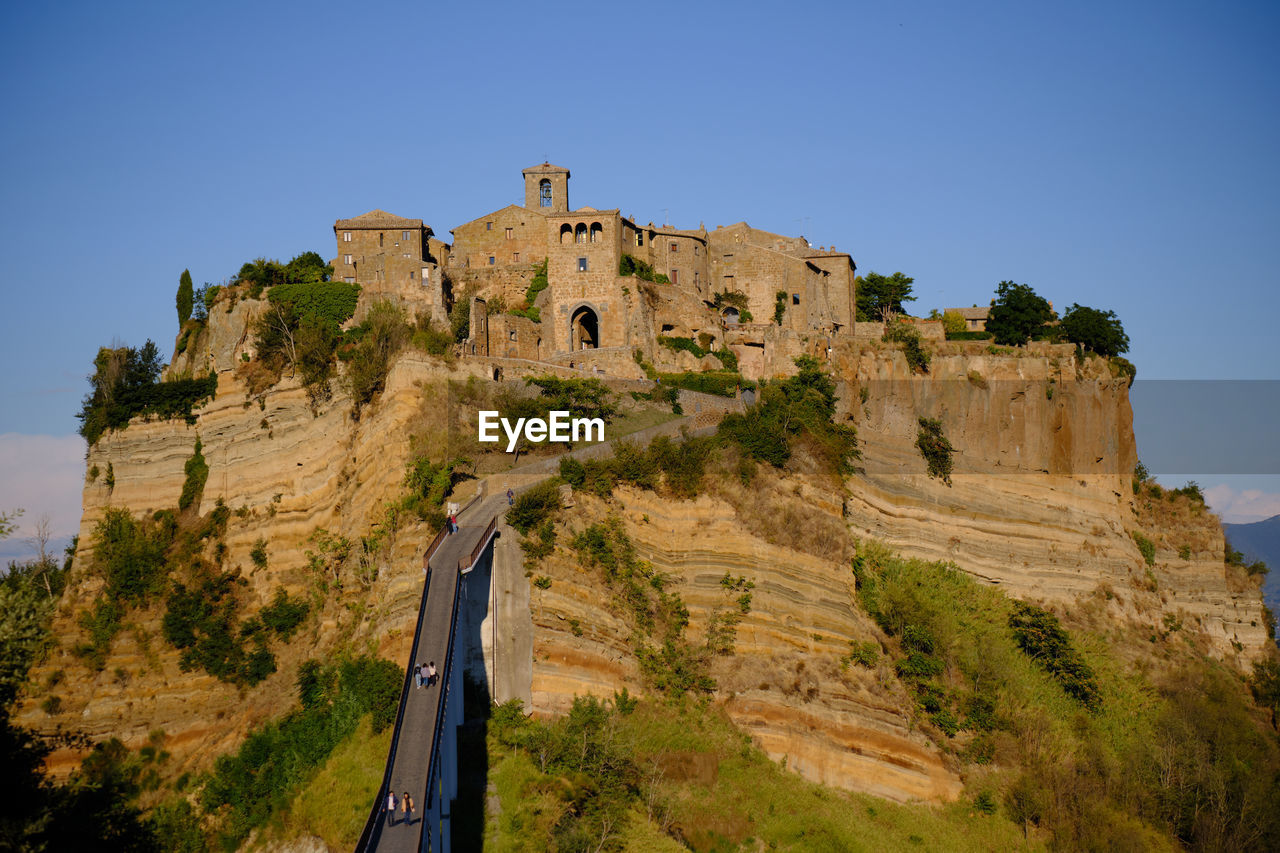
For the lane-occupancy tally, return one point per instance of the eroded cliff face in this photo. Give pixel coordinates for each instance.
(1040, 503)
(1041, 499)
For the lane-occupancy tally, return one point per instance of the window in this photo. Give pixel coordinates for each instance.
(410, 275)
(582, 264)
(795, 299)
(696, 249)
(515, 257)
(511, 335)
(675, 276)
(511, 234)
(406, 254)
(544, 193)
(492, 260)
(346, 259)
(580, 233)
(639, 238)
(379, 239)
(695, 278)
(405, 237)
(488, 226)
(350, 279)
(675, 247)
(346, 236)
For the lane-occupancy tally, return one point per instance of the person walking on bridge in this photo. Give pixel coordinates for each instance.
(406, 804)
(431, 673)
(391, 808)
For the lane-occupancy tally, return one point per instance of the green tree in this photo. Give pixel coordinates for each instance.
(186, 298)
(1099, 331)
(953, 323)
(879, 295)
(1017, 313)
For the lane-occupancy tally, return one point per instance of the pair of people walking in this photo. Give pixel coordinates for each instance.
(451, 518)
(424, 674)
(405, 804)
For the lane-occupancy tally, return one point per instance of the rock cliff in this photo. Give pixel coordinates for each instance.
(1040, 502)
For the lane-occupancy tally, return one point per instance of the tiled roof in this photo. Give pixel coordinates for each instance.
(972, 313)
(378, 219)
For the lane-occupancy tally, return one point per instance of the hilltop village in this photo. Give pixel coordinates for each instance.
(586, 287)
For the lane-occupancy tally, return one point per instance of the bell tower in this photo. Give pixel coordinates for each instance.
(546, 188)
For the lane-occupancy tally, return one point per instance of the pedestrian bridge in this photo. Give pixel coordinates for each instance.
(423, 758)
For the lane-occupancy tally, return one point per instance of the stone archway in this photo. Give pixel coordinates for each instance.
(584, 329)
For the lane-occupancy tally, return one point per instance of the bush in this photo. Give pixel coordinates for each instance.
(918, 357)
(627, 266)
(935, 448)
(131, 556)
(126, 384)
(722, 383)
(682, 344)
(1146, 547)
(779, 307)
(383, 334)
(535, 506)
(202, 623)
(953, 323)
(284, 615)
(197, 473)
(246, 788)
(1039, 633)
(1097, 331)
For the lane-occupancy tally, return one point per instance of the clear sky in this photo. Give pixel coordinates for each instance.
(1119, 155)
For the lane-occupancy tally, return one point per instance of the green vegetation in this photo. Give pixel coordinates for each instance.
(663, 776)
(953, 323)
(800, 408)
(376, 341)
(1173, 753)
(669, 662)
(284, 614)
(1096, 331)
(725, 298)
(202, 621)
(126, 383)
(918, 357)
(534, 506)
(1146, 547)
(536, 285)
(429, 484)
(699, 350)
(969, 336)
(779, 307)
(722, 383)
(260, 273)
(879, 297)
(627, 265)
(247, 788)
(185, 298)
(1017, 314)
(935, 448)
(301, 329)
(1039, 633)
(197, 473)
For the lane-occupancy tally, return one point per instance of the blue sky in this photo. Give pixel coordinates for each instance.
(1117, 155)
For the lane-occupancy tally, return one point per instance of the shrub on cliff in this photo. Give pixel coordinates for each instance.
(126, 383)
(879, 297)
(935, 448)
(1095, 330)
(383, 334)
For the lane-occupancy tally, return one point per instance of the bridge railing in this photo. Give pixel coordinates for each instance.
(433, 798)
(465, 564)
(373, 826)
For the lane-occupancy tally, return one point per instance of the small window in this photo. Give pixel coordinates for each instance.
(346, 259)
(511, 234)
(582, 264)
(795, 299)
(696, 249)
(350, 279)
(406, 254)
(639, 238)
(346, 236)
(544, 193)
(410, 275)
(492, 260)
(379, 239)
(511, 335)
(695, 278)
(515, 257)
(675, 276)
(405, 237)
(488, 226)
(675, 247)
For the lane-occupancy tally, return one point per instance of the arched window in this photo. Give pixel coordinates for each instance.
(596, 231)
(566, 233)
(581, 232)
(544, 192)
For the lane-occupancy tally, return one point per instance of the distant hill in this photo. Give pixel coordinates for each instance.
(1260, 541)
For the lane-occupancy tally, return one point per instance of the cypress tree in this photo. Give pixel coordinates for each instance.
(186, 297)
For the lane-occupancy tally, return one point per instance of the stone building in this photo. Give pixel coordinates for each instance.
(975, 318)
(590, 315)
